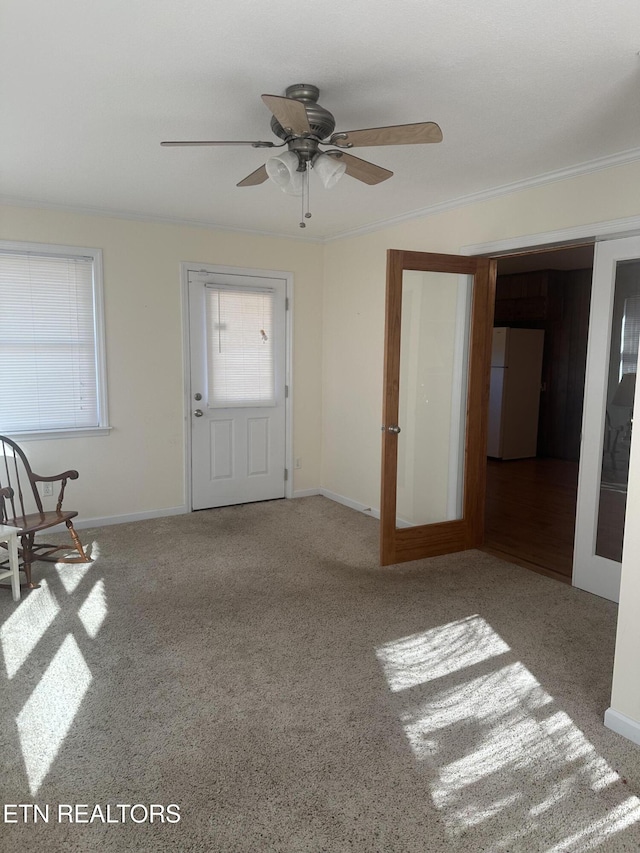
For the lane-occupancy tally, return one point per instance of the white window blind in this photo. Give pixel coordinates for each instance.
(48, 359)
(240, 353)
(630, 336)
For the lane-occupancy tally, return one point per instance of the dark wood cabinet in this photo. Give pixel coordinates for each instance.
(558, 302)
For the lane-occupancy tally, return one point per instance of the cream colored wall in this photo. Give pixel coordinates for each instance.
(139, 467)
(353, 324)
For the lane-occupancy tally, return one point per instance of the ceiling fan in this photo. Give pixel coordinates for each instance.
(304, 126)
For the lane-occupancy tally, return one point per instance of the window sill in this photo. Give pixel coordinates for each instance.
(59, 433)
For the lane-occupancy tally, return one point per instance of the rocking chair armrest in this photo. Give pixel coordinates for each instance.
(67, 475)
(61, 478)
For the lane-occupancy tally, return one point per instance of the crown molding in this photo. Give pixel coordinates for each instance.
(590, 167)
(579, 170)
(151, 218)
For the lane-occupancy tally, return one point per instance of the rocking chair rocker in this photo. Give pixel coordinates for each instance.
(23, 509)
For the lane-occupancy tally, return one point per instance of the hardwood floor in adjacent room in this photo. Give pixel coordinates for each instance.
(531, 513)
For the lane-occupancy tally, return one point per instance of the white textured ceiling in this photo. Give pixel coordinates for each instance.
(89, 89)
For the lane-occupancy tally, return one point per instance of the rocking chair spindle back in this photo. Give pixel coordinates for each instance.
(24, 508)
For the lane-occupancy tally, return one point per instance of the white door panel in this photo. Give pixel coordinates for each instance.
(237, 375)
(258, 446)
(221, 449)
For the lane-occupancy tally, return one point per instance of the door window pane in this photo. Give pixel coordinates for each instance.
(623, 364)
(433, 396)
(240, 363)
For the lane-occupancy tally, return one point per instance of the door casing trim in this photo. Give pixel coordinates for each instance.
(185, 268)
(608, 230)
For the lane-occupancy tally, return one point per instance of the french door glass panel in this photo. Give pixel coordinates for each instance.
(434, 354)
(621, 383)
(606, 427)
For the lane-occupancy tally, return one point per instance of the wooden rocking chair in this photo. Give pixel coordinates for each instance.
(23, 509)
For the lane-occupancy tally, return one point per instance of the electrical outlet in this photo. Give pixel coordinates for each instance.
(47, 490)
(298, 462)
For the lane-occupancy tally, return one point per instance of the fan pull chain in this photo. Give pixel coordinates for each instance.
(305, 196)
(302, 224)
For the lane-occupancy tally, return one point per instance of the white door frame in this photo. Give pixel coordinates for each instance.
(185, 268)
(596, 232)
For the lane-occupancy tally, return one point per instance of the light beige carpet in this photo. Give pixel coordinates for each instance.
(256, 668)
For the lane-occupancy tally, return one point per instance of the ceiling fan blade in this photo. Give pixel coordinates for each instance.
(290, 113)
(362, 170)
(230, 142)
(400, 134)
(255, 178)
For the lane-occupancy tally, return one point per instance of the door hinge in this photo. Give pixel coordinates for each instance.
(286, 390)
(286, 474)
(286, 303)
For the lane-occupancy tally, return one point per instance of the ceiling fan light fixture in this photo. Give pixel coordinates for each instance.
(283, 171)
(302, 125)
(329, 170)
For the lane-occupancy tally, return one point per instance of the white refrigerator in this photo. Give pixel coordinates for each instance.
(514, 397)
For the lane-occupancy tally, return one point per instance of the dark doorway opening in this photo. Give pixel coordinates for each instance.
(532, 492)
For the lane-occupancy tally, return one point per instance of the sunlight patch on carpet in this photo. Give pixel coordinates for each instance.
(93, 611)
(46, 717)
(71, 574)
(500, 751)
(438, 652)
(26, 626)
(592, 836)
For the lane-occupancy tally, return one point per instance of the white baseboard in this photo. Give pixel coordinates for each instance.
(103, 521)
(340, 499)
(82, 523)
(622, 725)
(374, 512)
(306, 493)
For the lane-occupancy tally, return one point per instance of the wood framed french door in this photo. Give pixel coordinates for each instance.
(439, 315)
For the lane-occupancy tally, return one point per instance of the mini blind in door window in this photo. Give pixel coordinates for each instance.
(48, 370)
(240, 352)
(630, 336)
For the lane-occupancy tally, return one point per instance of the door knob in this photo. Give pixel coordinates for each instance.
(198, 413)
(394, 429)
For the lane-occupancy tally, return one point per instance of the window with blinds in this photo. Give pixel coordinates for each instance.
(50, 377)
(240, 352)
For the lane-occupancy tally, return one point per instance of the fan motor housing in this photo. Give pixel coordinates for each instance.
(321, 121)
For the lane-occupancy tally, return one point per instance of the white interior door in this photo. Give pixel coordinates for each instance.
(237, 332)
(612, 357)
